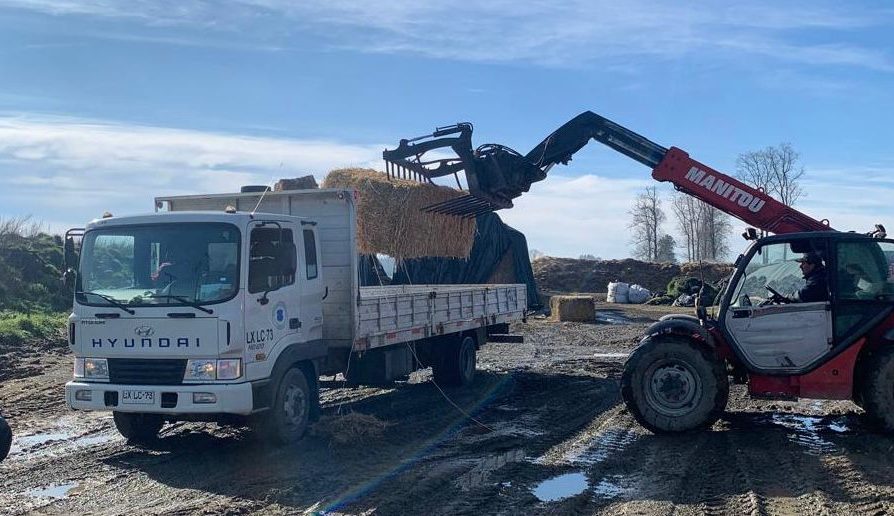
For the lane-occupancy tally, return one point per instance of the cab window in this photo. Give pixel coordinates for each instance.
(310, 254)
(272, 259)
(773, 265)
(864, 270)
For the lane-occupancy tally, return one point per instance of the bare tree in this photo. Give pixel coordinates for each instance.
(705, 229)
(687, 212)
(647, 218)
(775, 170)
(534, 254)
(713, 234)
(588, 256)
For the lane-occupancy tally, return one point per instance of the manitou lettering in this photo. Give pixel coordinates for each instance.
(730, 192)
(164, 342)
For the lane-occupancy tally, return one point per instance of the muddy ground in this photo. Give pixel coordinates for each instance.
(548, 437)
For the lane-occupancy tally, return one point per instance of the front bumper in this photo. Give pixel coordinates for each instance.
(168, 399)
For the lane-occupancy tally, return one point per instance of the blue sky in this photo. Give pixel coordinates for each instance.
(105, 104)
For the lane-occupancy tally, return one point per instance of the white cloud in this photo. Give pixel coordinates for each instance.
(65, 169)
(553, 33)
(569, 216)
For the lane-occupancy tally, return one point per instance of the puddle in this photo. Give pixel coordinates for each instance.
(30, 441)
(610, 318)
(560, 487)
(839, 427)
(478, 475)
(806, 430)
(63, 437)
(611, 355)
(53, 491)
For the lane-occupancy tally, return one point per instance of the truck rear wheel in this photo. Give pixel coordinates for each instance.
(673, 385)
(138, 428)
(288, 417)
(877, 394)
(455, 365)
(5, 439)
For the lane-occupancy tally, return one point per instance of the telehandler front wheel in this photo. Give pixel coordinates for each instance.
(673, 385)
(877, 394)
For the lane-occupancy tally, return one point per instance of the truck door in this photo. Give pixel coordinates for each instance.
(778, 336)
(273, 300)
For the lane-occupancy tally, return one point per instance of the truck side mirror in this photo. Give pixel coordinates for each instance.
(69, 279)
(69, 255)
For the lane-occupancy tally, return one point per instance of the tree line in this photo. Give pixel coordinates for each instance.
(704, 231)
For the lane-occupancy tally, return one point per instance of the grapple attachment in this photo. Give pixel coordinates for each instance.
(422, 159)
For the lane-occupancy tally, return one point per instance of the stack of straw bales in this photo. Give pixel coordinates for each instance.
(572, 308)
(390, 220)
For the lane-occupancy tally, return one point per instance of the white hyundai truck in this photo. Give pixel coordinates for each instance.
(231, 306)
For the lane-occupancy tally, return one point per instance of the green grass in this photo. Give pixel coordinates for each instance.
(16, 328)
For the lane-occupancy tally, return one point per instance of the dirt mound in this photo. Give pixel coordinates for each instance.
(571, 275)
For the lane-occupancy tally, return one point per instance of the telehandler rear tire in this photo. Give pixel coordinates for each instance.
(674, 385)
(138, 428)
(877, 394)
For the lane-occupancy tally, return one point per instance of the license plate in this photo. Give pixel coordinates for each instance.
(138, 397)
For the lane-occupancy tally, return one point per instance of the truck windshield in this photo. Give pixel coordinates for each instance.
(160, 264)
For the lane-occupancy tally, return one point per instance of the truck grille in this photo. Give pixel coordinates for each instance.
(146, 371)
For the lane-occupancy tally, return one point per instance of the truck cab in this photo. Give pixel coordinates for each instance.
(184, 314)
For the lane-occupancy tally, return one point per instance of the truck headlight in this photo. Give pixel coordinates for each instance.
(200, 370)
(210, 369)
(96, 369)
(78, 368)
(229, 368)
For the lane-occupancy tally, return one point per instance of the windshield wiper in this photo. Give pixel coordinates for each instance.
(183, 299)
(110, 299)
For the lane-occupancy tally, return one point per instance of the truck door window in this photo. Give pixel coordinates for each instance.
(310, 254)
(272, 259)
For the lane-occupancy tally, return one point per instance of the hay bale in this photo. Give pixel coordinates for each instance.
(572, 308)
(298, 183)
(390, 220)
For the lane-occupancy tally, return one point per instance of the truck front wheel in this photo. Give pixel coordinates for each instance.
(138, 428)
(673, 385)
(878, 389)
(287, 419)
(455, 364)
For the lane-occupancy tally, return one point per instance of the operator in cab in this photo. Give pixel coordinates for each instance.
(816, 288)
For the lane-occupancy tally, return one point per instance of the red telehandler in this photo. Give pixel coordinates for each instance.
(840, 346)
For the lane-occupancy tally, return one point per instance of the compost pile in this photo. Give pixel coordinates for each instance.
(390, 220)
(571, 275)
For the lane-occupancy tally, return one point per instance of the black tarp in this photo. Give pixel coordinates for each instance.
(499, 255)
